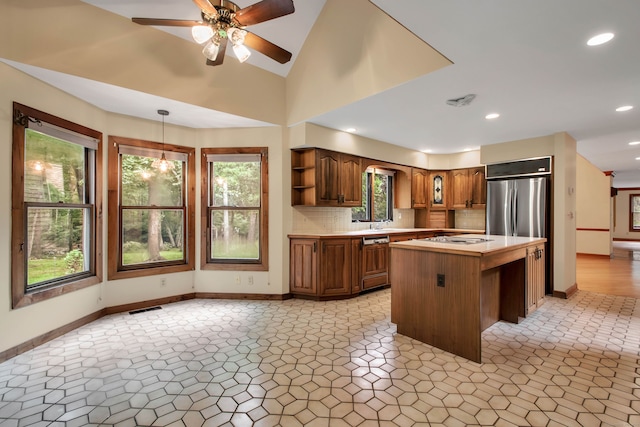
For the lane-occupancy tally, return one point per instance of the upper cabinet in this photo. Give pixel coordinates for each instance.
(468, 188)
(437, 188)
(419, 184)
(325, 178)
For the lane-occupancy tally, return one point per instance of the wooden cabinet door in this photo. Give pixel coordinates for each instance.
(437, 190)
(459, 189)
(356, 263)
(375, 265)
(335, 267)
(350, 179)
(478, 185)
(535, 277)
(327, 182)
(303, 266)
(419, 179)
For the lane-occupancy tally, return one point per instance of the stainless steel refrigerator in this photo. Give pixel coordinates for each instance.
(521, 205)
(517, 207)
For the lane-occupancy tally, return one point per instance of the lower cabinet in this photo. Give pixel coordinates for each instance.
(535, 276)
(375, 265)
(332, 268)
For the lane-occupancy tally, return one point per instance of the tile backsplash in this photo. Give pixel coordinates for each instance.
(331, 220)
(313, 219)
(473, 219)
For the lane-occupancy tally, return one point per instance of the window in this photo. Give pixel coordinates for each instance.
(377, 196)
(634, 214)
(56, 208)
(151, 205)
(235, 209)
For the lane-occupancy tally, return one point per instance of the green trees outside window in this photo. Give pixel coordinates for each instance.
(234, 208)
(56, 227)
(377, 197)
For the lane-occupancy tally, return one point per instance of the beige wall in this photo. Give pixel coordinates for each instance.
(593, 207)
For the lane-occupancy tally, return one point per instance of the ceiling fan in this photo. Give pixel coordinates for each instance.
(223, 20)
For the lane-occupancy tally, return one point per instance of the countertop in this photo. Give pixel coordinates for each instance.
(383, 232)
(495, 244)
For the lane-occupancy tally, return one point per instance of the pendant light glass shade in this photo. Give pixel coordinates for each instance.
(211, 50)
(201, 33)
(241, 52)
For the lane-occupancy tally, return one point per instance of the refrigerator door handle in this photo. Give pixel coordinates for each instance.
(514, 212)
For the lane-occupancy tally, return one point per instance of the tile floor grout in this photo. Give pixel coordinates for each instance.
(573, 362)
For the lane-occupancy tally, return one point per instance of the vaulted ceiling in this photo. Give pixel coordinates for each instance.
(526, 60)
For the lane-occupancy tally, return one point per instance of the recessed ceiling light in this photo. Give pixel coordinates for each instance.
(600, 39)
(625, 108)
(350, 130)
(634, 143)
(492, 116)
(468, 149)
(637, 158)
(428, 150)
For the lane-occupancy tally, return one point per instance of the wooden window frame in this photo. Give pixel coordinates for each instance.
(368, 179)
(205, 236)
(115, 270)
(631, 229)
(20, 297)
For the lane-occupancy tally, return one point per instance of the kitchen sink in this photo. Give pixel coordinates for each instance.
(458, 240)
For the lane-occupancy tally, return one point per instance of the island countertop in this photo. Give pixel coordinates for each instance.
(493, 244)
(382, 232)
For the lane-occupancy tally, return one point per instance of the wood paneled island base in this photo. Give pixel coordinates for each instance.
(446, 294)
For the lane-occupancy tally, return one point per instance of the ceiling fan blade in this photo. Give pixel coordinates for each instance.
(220, 57)
(265, 47)
(264, 11)
(166, 22)
(207, 7)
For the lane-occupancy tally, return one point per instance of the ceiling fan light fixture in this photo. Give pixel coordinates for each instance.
(211, 50)
(201, 33)
(236, 35)
(241, 52)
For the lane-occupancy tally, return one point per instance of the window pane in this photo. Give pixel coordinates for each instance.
(236, 184)
(144, 184)
(235, 234)
(55, 244)
(53, 170)
(635, 206)
(360, 213)
(152, 235)
(382, 197)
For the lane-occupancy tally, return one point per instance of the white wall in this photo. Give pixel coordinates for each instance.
(593, 207)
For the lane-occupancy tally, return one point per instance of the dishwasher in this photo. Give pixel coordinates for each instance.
(375, 261)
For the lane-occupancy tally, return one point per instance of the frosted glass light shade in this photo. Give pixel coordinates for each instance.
(211, 50)
(201, 33)
(241, 52)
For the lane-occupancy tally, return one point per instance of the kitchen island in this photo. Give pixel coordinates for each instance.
(445, 292)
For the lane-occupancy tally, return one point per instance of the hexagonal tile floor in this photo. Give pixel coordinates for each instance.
(263, 363)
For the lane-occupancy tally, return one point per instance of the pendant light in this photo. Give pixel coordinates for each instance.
(163, 164)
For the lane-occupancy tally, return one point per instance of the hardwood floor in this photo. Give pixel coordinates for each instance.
(618, 275)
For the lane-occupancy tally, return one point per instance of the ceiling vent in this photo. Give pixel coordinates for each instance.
(461, 102)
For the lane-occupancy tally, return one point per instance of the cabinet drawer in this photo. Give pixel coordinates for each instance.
(373, 281)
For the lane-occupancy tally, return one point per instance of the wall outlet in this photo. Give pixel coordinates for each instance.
(250, 279)
(237, 279)
(163, 281)
(440, 280)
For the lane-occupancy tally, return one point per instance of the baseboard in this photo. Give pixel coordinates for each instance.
(257, 297)
(48, 336)
(566, 294)
(582, 255)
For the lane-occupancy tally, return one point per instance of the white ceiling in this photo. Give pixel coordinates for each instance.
(527, 60)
